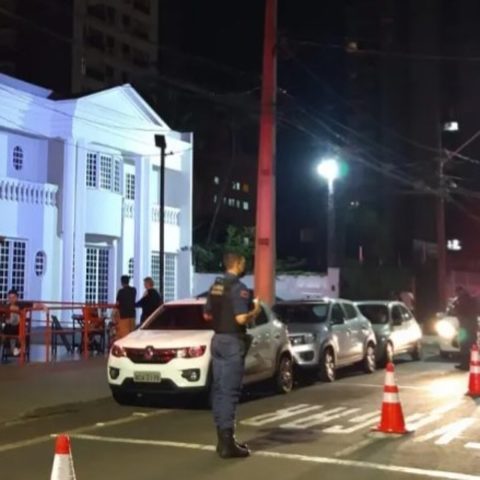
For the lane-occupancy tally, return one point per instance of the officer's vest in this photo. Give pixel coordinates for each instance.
(221, 305)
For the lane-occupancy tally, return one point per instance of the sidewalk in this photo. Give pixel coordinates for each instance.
(38, 388)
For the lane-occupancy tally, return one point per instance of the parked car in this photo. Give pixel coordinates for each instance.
(171, 353)
(396, 329)
(327, 334)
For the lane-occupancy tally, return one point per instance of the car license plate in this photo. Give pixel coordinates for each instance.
(147, 377)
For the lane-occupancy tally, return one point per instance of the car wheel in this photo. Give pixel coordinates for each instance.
(417, 352)
(327, 366)
(284, 375)
(124, 398)
(369, 361)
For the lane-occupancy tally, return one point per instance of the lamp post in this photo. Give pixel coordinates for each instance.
(329, 169)
(161, 143)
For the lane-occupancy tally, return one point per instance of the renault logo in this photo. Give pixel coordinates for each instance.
(149, 353)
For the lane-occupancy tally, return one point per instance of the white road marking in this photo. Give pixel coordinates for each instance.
(434, 415)
(444, 475)
(360, 422)
(380, 387)
(448, 432)
(353, 448)
(473, 445)
(281, 414)
(44, 438)
(24, 443)
(319, 418)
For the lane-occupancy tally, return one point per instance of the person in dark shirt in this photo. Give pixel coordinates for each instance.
(150, 301)
(126, 308)
(466, 310)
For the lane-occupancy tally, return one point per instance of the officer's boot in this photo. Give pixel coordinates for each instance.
(228, 447)
(241, 445)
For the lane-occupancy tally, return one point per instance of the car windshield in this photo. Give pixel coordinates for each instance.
(377, 314)
(179, 317)
(308, 313)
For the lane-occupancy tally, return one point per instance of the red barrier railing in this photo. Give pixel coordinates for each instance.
(90, 323)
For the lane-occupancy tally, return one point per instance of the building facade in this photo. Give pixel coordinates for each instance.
(79, 195)
(79, 45)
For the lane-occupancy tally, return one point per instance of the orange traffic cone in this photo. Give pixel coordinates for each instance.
(63, 463)
(392, 420)
(474, 379)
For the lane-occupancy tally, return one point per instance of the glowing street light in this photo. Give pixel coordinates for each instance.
(329, 169)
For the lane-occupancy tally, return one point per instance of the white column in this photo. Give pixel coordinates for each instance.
(67, 206)
(80, 220)
(184, 264)
(113, 280)
(143, 167)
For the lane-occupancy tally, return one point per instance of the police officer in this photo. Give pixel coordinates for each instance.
(229, 306)
(466, 310)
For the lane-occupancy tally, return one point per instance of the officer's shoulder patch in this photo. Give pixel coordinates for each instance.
(244, 293)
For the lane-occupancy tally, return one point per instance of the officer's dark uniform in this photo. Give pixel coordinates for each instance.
(227, 298)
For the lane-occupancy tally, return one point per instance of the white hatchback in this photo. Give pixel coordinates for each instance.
(170, 353)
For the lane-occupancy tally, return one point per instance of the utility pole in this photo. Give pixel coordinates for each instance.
(441, 240)
(265, 241)
(161, 143)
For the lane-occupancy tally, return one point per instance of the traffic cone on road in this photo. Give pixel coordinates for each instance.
(63, 463)
(474, 378)
(392, 420)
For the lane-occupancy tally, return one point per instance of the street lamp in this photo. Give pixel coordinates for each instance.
(329, 169)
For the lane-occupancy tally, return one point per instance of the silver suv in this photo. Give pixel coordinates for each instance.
(328, 334)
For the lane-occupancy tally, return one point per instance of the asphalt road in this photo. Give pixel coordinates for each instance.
(318, 431)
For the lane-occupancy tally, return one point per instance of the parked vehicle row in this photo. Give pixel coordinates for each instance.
(170, 352)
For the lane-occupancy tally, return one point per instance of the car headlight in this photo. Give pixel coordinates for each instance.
(302, 339)
(445, 329)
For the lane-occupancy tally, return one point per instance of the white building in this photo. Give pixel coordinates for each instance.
(79, 195)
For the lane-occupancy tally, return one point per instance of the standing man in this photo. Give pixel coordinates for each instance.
(229, 307)
(126, 308)
(151, 299)
(466, 310)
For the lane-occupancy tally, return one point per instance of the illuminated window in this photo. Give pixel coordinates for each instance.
(216, 180)
(12, 267)
(215, 198)
(231, 202)
(91, 170)
(236, 185)
(17, 158)
(246, 187)
(246, 206)
(237, 203)
(105, 172)
(97, 274)
(131, 267)
(116, 176)
(169, 275)
(130, 186)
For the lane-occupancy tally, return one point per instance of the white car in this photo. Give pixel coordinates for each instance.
(396, 329)
(171, 353)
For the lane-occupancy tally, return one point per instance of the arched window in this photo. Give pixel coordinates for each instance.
(40, 263)
(17, 158)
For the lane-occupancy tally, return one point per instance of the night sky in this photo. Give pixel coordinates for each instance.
(231, 34)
